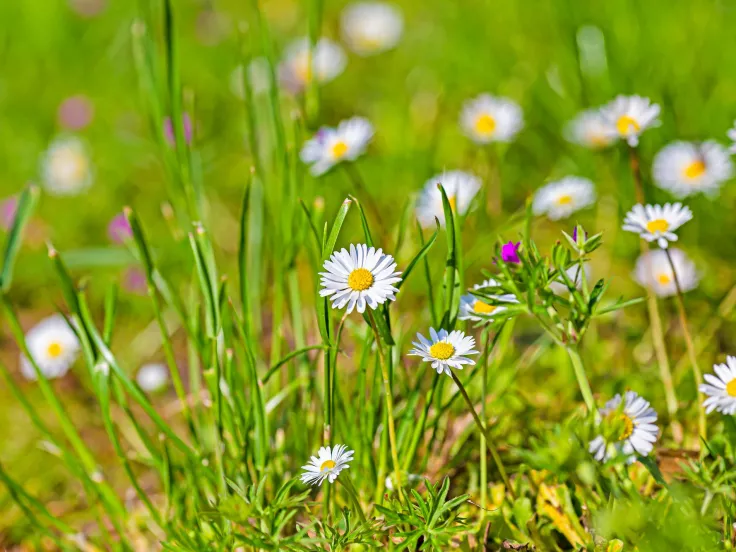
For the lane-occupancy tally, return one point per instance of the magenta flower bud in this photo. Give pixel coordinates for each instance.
(509, 252)
(134, 281)
(119, 230)
(8, 208)
(75, 113)
(575, 234)
(169, 129)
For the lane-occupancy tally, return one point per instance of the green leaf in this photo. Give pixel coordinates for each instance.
(26, 205)
(653, 468)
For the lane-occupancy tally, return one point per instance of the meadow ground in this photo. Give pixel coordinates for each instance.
(194, 305)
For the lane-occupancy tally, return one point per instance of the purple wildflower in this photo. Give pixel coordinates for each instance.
(75, 112)
(119, 229)
(8, 208)
(510, 252)
(169, 129)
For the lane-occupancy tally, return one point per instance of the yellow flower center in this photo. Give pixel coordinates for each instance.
(303, 68)
(731, 388)
(626, 124)
(694, 170)
(564, 200)
(485, 125)
(627, 424)
(664, 279)
(368, 42)
(453, 203)
(658, 225)
(339, 149)
(360, 279)
(598, 140)
(483, 308)
(54, 349)
(441, 350)
(327, 465)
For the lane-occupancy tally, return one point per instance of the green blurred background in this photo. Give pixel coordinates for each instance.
(553, 57)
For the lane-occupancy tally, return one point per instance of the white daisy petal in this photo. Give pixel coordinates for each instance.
(371, 27)
(626, 117)
(635, 421)
(296, 70)
(460, 187)
(653, 271)
(53, 346)
(330, 146)
(444, 350)
(686, 168)
(562, 198)
(488, 119)
(656, 222)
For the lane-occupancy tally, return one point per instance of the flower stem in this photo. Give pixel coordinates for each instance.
(702, 427)
(348, 485)
(486, 338)
(579, 369)
(484, 432)
(665, 373)
(389, 404)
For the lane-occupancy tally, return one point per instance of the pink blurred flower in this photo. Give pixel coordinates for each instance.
(8, 208)
(510, 252)
(119, 230)
(88, 8)
(134, 281)
(75, 112)
(169, 129)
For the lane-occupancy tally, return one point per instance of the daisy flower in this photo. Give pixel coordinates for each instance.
(686, 168)
(445, 350)
(589, 129)
(460, 187)
(732, 136)
(53, 346)
(488, 119)
(328, 464)
(371, 27)
(626, 117)
(657, 223)
(634, 423)
(721, 388)
(152, 377)
(65, 167)
(297, 70)
(363, 276)
(331, 146)
(477, 310)
(653, 271)
(562, 198)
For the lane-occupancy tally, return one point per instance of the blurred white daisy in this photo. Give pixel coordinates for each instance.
(328, 464)
(54, 347)
(653, 271)
(732, 136)
(460, 187)
(363, 276)
(297, 70)
(656, 222)
(152, 377)
(477, 310)
(626, 117)
(589, 129)
(445, 350)
(331, 146)
(371, 27)
(686, 168)
(633, 426)
(562, 198)
(574, 273)
(66, 167)
(489, 118)
(721, 388)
